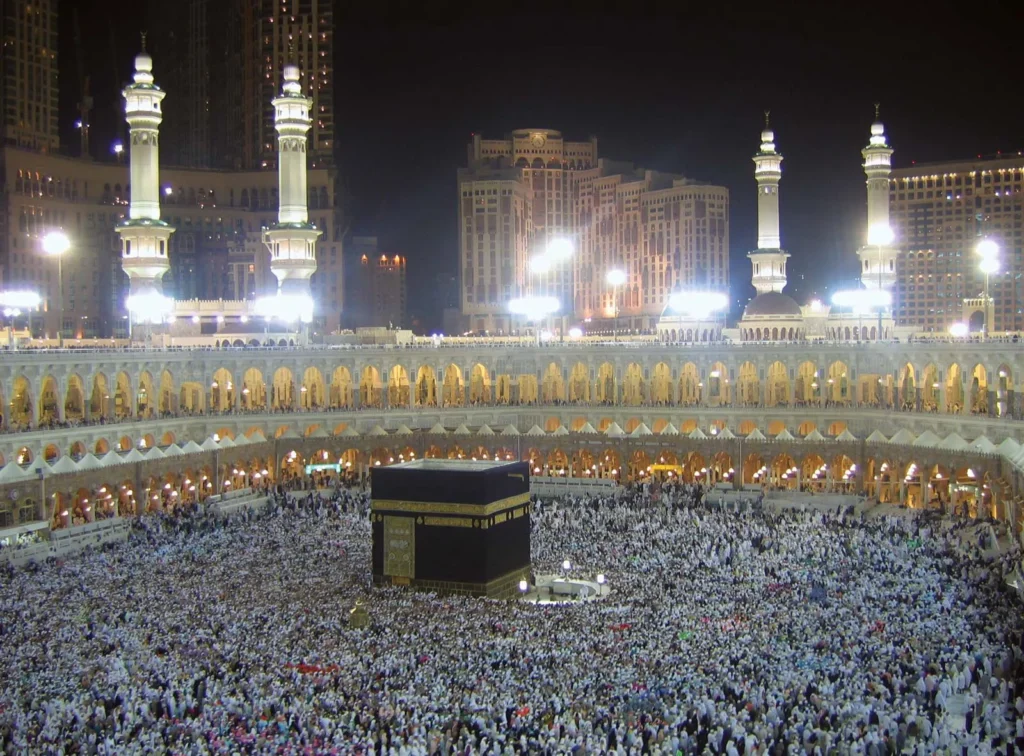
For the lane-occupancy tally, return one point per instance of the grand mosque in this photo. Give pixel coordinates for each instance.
(813, 398)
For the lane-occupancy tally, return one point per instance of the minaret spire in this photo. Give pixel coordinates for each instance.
(768, 260)
(878, 256)
(145, 238)
(292, 242)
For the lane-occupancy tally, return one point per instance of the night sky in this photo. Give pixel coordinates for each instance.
(680, 90)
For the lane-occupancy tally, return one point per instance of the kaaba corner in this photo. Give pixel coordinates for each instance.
(452, 526)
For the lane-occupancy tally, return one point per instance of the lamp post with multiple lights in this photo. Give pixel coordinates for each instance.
(534, 309)
(558, 252)
(701, 305)
(56, 244)
(862, 301)
(988, 251)
(616, 277)
(15, 304)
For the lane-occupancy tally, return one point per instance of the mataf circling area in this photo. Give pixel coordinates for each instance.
(736, 632)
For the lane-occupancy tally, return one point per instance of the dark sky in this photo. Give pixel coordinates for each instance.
(675, 87)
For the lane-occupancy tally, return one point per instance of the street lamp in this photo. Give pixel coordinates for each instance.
(558, 251)
(988, 251)
(540, 265)
(615, 278)
(863, 301)
(55, 244)
(534, 309)
(958, 330)
(880, 235)
(118, 149)
(698, 304)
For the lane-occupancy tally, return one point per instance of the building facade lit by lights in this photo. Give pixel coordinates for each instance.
(223, 60)
(28, 74)
(940, 211)
(521, 193)
(375, 284)
(279, 33)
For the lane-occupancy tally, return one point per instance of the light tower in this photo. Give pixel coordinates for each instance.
(292, 241)
(144, 237)
(768, 260)
(878, 256)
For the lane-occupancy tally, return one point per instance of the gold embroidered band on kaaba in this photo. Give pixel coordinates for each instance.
(445, 507)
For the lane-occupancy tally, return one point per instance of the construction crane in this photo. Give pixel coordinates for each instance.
(85, 101)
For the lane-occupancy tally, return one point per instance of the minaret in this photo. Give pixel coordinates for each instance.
(292, 241)
(768, 260)
(144, 237)
(878, 256)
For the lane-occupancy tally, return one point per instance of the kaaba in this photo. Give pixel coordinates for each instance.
(452, 526)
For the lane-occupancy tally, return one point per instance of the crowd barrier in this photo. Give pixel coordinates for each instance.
(231, 502)
(543, 485)
(64, 543)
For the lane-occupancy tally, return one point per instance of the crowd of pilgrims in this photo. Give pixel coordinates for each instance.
(730, 629)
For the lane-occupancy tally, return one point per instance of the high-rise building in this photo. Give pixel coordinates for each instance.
(514, 200)
(301, 33)
(520, 195)
(940, 211)
(28, 74)
(224, 59)
(666, 232)
(375, 286)
(199, 44)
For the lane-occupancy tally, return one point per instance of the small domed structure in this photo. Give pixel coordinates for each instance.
(772, 304)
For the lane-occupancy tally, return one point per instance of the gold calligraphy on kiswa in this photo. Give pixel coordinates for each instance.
(399, 546)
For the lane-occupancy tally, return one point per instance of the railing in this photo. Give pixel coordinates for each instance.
(63, 543)
(543, 485)
(422, 343)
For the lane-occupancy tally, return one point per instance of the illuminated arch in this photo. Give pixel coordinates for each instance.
(605, 392)
(807, 386)
(222, 390)
(479, 385)
(716, 389)
(399, 389)
(283, 389)
(553, 386)
(748, 386)
(74, 399)
(313, 394)
(426, 387)
(341, 388)
(633, 386)
(777, 385)
(48, 399)
(146, 398)
(528, 389)
(689, 381)
(579, 384)
(124, 397)
(168, 402)
(955, 399)
(453, 392)
(371, 390)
